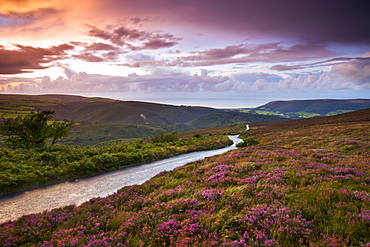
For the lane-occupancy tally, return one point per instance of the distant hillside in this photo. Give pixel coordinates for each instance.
(354, 116)
(224, 118)
(99, 110)
(311, 108)
(107, 119)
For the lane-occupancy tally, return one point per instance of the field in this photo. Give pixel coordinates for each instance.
(307, 183)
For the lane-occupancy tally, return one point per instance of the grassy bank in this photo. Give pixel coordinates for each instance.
(24, 169)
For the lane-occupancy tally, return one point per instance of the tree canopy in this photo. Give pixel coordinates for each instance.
(33, 130)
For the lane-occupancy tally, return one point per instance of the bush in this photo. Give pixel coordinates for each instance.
(165, 137)
(247, 142)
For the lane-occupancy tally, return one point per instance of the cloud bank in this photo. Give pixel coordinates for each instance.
(352, 75)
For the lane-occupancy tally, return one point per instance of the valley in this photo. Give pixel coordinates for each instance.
(100, 121)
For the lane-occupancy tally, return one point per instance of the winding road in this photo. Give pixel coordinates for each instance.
(14, 205)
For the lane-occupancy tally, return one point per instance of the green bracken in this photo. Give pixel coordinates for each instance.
(26, 168)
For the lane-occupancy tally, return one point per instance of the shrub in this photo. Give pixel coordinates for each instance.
(247, 142)
(165, 137)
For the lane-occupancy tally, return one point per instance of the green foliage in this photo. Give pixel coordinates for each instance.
(27, 168)
(58, 130)
(220, 118)
(110, 133)
(197, 135)
(165, 137)
(247, 142)
(33, 130)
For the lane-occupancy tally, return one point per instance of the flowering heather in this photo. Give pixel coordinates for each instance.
(300, 186)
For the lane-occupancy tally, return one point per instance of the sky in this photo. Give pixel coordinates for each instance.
(217, 53)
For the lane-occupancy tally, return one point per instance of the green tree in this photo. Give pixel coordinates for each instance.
(33, 130)
(58, 130)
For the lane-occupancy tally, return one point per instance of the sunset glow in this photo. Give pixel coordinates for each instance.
(207, 52)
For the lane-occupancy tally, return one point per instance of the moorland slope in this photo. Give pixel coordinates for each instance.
(311, 108)
(306, 183)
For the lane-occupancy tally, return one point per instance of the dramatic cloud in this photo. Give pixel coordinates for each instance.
(23, 5)
(363, 61)
(281, 67)
(340, 78)
(356, 72)
(134, 39)
(89, 57)
(13, 19)
(270, 52)
(320, 21)
(158, 46)
(97, 52)
(157, 81)
(29, 58)
(100, 47)
(238, 54)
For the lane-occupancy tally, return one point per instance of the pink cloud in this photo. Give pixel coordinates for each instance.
(158, 44)
(281, 67)
(134, 39)
(356, 71)
(89, 57)
(100, 47)
(14, 19)
(239, 54)
(27, 58)
(269, 53)
(340, 78)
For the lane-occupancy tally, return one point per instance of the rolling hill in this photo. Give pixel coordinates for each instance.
(344, 118)
(102, 119)
(99, 110)
(311, 108)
